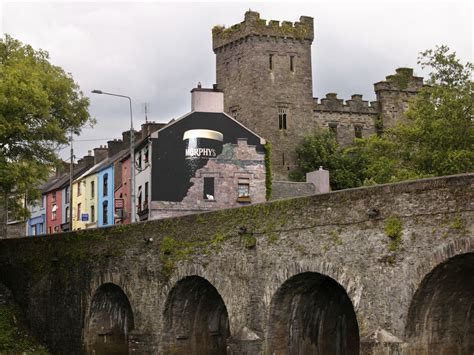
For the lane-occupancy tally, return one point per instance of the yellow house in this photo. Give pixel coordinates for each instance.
(84, 201)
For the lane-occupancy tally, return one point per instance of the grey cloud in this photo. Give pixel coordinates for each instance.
(156, 52)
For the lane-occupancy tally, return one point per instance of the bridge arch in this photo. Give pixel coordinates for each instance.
(108, 321)
(195, 318)
(312, 313)
(441, 314)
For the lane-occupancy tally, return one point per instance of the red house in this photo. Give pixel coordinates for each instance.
(53, 211)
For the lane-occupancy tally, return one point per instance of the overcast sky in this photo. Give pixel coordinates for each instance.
(156, 52)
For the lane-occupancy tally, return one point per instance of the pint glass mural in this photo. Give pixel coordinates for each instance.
(200, 145)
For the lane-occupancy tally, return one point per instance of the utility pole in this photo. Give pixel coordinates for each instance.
(71, 170)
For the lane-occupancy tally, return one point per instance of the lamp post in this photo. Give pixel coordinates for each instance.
(132, 158)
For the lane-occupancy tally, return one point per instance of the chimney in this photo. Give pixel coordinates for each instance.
(207, 100)
(62, 169)
(150, 127)
(114, 147)
(100, 154)
(320, 180)
(87, 161)
(126, 138)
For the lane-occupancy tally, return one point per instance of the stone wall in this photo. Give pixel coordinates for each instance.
(346, 118)
(237, 161)
(255, 90)
(289, 189)
(196, 279)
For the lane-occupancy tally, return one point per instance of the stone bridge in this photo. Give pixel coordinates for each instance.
(380, 270)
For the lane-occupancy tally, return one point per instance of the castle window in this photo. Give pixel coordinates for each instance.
(282, 115)
(333, 129)
(208, 190)
(234, 112)
(292, 64)
(270, 61)
(358, 131)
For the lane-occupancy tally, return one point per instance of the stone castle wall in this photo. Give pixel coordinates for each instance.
(255, 90)
(253, 68)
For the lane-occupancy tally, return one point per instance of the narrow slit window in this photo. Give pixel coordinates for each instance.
(292, 63)
(208, 190)
(270, 61)
(282, 116)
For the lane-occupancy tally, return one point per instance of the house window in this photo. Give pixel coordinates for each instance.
(79, 188)
(292, 63)
(244, 190)
(105, 209)
(105, 184)
(270, 61)
(208, 190)
(92, 213)
(146, 156)
(66, 195)
(139, 205)
(78, 211)
(145, 203)
(66, 211)
(54, 212)
(138, 162)
(358, 131)
(54, 197)
(92, 189)
(282, 115)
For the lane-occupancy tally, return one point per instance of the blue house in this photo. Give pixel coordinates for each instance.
(105, 195)
(37, 221)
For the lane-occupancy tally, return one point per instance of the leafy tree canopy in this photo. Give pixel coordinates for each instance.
(436, 139)
(321, 149)
(39, 105)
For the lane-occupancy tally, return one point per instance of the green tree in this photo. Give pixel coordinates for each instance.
(321, 149)
(436, 140)
(39, 105)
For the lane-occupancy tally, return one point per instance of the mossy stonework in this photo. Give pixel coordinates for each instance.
(246, 267)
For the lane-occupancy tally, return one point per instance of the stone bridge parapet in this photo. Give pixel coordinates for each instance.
(378, 267)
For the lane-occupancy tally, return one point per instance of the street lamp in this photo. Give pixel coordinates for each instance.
(132, 158)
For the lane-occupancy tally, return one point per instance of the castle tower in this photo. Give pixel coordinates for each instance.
(264, 70)
(395, 93)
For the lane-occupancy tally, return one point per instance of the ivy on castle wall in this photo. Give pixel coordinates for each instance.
(268, 170)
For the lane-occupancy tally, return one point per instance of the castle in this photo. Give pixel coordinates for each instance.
(264, 70)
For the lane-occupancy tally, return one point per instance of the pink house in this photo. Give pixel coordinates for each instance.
(122, 206)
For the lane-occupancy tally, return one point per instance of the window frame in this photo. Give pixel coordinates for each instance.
(208, 188)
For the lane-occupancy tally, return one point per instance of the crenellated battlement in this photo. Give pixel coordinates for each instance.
(254, 25)
(355, 105)
(402, 80)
